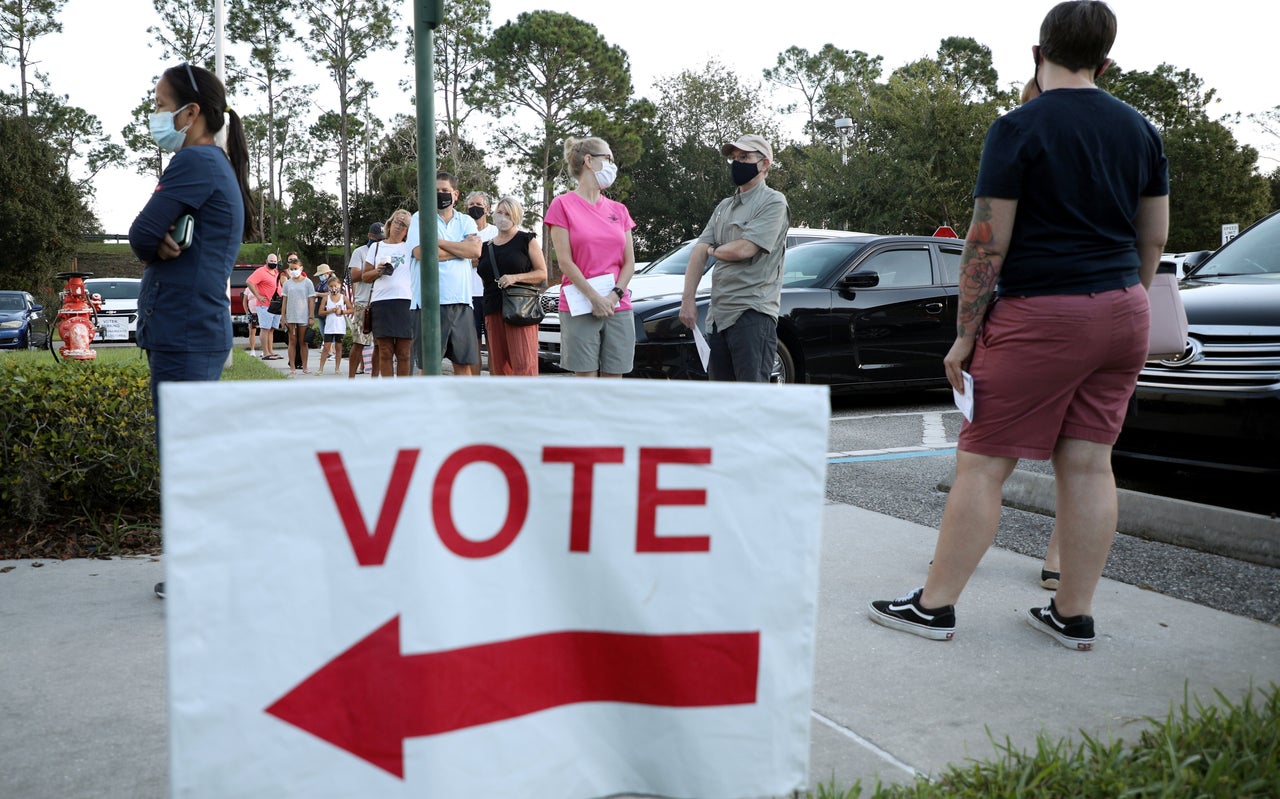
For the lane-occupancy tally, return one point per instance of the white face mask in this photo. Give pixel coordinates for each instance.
(294, 272)
(606, 174)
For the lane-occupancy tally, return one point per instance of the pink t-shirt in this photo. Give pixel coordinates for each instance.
(597, 236)
(263, 281)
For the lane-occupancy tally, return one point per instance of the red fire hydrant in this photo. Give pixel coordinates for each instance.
(76, 318)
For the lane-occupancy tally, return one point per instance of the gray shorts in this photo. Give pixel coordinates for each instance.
(592, 344)
(458, 340)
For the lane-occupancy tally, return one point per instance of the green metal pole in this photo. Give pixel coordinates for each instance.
(427, 14)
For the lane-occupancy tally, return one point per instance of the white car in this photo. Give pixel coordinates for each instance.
(661, 276)
(1178, 260)
(118, 319)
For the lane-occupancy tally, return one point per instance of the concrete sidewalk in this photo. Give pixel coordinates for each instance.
(82, 682)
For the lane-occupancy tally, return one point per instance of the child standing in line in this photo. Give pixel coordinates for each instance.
(334, 309)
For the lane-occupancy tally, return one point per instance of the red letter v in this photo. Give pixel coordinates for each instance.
(369, 550)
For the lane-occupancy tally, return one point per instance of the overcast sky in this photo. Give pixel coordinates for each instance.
(103, 61)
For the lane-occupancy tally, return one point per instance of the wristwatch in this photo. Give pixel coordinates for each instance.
(621, 294)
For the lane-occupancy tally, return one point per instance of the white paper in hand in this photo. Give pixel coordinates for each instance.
(965, 401)
(704, 349)
(578, 302)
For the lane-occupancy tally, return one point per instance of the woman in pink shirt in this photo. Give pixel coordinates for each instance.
(591, 235)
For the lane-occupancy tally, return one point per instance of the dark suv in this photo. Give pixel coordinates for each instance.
(1217, 404)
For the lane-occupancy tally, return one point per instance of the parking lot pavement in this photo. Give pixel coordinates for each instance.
(82, 681)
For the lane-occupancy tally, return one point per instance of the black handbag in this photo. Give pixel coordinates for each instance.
(521, 302)
(276, 304)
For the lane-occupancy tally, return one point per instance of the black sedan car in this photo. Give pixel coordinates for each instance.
(858, 313)
(1217, 405)
(22, 322)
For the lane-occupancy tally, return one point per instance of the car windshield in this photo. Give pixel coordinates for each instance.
(11, 302)
(814, 263)
(113, 289)
(672, 262)
(1255, 252)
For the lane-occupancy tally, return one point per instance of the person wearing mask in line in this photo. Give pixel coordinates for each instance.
(386, 269)
(360, 292)
(478, 208)
(747, 235)
(516, 257)
(458, 244)
(262, 287)
(334, 311)
(184, 319)
(591, 235)
(1071, 214)
(296, 309)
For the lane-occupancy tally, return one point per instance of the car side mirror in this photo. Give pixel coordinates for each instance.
(860, 280)
(37, 308)
(1195, 259)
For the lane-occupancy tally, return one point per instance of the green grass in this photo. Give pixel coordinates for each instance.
(243, 365)
(1223, 750)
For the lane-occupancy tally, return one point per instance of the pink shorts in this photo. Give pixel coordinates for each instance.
(1061, 366)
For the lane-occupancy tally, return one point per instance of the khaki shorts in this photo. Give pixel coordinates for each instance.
(358, 336)
(593, 344)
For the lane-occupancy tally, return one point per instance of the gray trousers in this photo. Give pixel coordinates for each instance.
(744, 351)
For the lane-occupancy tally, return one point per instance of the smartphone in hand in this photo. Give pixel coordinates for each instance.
(183, 231)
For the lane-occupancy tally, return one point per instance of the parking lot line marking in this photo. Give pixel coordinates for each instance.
(887, 415)
(865, 744)
(840, 457)
(934, 432)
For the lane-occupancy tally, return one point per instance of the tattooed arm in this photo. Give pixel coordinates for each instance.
(984, 251)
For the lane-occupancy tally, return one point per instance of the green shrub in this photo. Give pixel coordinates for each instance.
(76, 438)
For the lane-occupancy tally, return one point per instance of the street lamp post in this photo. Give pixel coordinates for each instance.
(843, 126)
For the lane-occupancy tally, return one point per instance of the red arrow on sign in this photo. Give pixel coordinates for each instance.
(370, 698)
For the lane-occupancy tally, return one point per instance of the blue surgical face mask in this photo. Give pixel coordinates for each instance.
(163, 132)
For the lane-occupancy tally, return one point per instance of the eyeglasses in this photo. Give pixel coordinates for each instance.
(399, 223)
(192, 76)
(607, 156)
(293, 260)
(748, 158)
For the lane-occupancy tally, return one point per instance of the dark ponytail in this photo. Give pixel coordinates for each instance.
(193, 84)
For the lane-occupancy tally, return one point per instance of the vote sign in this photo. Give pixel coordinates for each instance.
(494, 587)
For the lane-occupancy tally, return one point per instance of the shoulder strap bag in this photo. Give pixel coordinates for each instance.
(521, 303)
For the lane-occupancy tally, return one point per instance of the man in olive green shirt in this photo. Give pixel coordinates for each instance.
(747, 235)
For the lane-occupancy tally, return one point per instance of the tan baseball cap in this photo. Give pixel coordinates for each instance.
(749, 143)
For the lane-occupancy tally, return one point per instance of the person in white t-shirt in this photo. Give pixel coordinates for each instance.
(478, 208)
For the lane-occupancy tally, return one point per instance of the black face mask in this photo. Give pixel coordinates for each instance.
(742, 173)
(444, 199)
(475, 211)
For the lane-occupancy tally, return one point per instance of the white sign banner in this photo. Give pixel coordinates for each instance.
(502, 587)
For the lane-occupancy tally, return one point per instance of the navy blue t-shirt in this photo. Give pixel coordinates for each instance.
(182, 303)
(1077, 161)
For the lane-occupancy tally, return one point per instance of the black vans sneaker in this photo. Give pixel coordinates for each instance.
(1073, 632)
(907, 614)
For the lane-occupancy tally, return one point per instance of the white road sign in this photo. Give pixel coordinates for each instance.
(499, 587)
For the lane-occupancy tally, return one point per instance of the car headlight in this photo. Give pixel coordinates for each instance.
(12, 324)
(667, 327)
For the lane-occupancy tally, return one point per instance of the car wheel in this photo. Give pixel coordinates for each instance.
(784, 367)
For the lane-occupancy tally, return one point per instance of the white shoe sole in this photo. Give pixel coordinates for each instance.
(1078, 644)
(893, 622)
